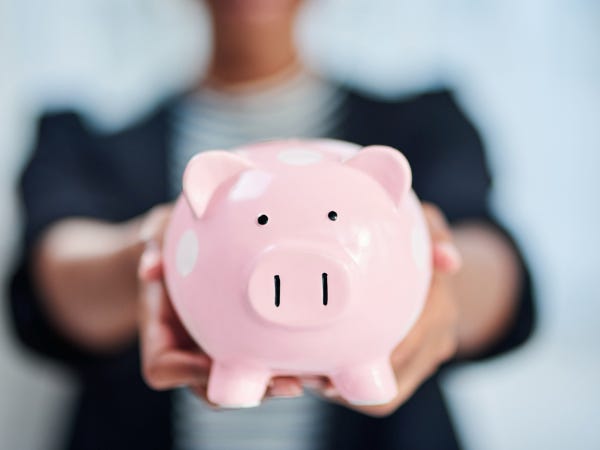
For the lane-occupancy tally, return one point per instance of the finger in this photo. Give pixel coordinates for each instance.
(151, 234)
(156, 310)
(150, 266)
(285, 387)
(157, 314)
(165, 364)
(446, 256)
(154, 223)
(329, 391)
(325, 389)
(314, 382)
(175, 368)
(436, 222)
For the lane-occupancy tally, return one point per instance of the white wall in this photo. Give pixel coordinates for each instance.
(528, 74)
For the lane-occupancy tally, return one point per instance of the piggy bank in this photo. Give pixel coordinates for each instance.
(298, 257)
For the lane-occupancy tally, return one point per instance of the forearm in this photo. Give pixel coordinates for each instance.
(486, 287)
(85, 272)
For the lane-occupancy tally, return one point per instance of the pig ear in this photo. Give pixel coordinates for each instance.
(387, 166)
(206, 172)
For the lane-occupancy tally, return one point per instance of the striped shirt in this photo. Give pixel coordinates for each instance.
(303, 106)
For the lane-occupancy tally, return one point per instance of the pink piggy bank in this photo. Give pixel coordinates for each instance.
(298, 257)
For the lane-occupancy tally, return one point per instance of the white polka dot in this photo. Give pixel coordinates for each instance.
(419, 247)
(299, 157)
(242, 153)
(187, 253)
(250, 185)
(345, 150)
(364, 238)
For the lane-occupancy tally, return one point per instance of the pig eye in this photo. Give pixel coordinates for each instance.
(332, 215)
(262, 219)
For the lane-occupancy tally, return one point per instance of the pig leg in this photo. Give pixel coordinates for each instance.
(367, 384)
(237, 386)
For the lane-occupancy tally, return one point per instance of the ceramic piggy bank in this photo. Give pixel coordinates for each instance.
(299, 258)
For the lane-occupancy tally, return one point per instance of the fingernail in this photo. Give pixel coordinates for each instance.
(150, 258)
(330, 392)
(288, 391)
(451, 253)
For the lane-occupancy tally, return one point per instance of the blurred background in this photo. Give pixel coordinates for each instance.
(527, 73)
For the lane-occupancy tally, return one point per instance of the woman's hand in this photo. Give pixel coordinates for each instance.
(433, 339)
(170, 357)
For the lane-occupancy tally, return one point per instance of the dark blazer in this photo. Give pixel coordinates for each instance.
(75, 171)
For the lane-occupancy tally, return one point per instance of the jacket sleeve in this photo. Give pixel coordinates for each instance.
(451, 171)
(56, 183)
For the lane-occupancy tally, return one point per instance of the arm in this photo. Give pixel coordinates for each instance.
(81, 194)
(493, 288)
(484, 308)
(85, 272)
(487, 287)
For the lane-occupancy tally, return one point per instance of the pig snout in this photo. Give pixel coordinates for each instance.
(297, 287)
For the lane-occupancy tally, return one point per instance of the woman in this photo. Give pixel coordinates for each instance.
(77, 297)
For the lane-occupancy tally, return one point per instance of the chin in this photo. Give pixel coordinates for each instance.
(253, 10)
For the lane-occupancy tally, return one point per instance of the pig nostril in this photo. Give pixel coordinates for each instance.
(277, 289)
(325, 293)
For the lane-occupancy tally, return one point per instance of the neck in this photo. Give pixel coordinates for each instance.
(251, 52)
